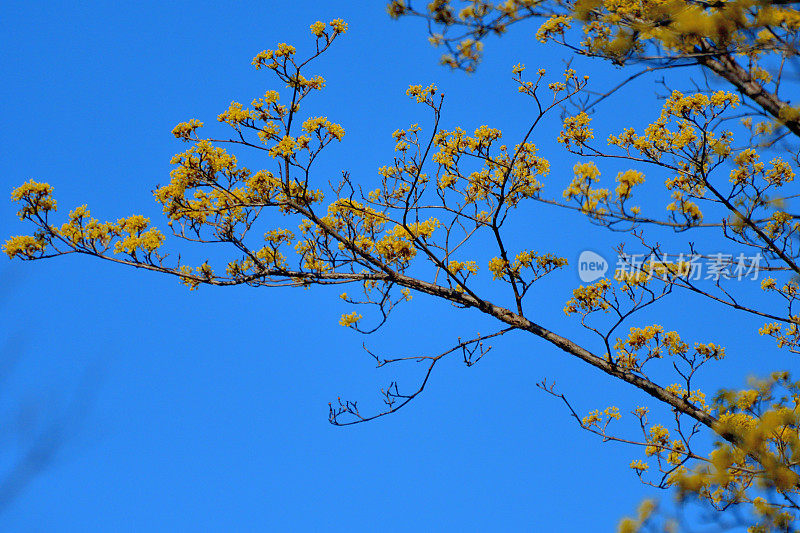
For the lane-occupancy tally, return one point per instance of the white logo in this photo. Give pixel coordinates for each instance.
(591, 266)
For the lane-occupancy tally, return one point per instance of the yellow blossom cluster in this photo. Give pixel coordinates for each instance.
(644, 512)
(576, 131)
(396, 246)
(466, 267)
(319, 124)
(350, 319)
(555, 25)
(637, 339)
(589, 298)
(626, 181)
(421, 94)
(81, 231)
(36, 198)
(184, 130)
(527, 260)
(24, 247)
(137, 238)
(285, 147)
(786, 335)
(235, 115)
(766, 438)
(592, 201)
(498, 267)
(749, 167)
(516, 176)
(540, 264)
(269, 58)
(596, 417)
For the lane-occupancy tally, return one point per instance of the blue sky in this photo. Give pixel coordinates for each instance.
(208, 409)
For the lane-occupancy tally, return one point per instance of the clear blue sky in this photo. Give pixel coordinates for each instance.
(209, 408)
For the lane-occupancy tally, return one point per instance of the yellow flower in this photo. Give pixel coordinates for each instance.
(497, 267)
(234, 115)
(555, 25)
(285, 147)
(318, 28)
(419, 93)
(348, 320)
(338, 25)
(24, 246)
(576, 130)
(184, 130)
